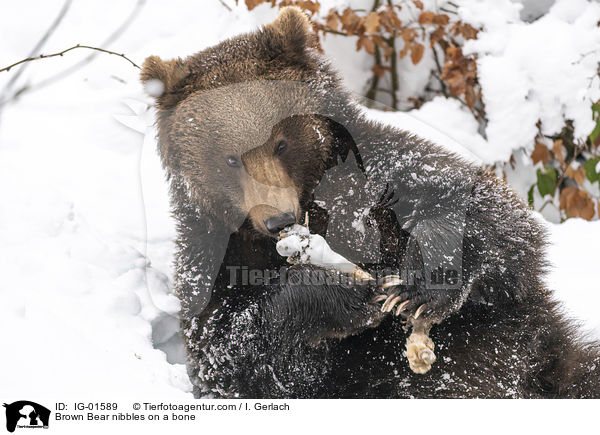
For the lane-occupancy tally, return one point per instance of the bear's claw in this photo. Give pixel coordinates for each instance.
(391, 281)
(433, 307)
(379, 298)
(419, 311)
(390, 303)
(401, 307)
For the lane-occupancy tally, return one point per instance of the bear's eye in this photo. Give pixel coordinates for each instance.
(281, 147)
(232, 161)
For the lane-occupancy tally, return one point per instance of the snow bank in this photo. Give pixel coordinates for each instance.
(574, 272)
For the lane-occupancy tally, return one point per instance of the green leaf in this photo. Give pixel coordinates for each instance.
(546, 181)
(530, 196)
(595, 133)
(590, 169)
(596, 115)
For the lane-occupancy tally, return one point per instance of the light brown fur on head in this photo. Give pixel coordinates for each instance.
(168, 73)
(239, 99)
(273, 53)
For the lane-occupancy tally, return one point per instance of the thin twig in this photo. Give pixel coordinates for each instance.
(394, 72)
(372, 92)
(225, 4)
(448, 11)
(71, 69)
(577, 149)
(478, 113)
(38, 46)
(583, 56)
(373, 88)
(335, 32)
(394, 65)
(438, 65)
(548, 201)
(45, 56)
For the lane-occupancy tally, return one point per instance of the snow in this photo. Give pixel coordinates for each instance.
(541, 71)
(575, 281)
(437, 116)
(86, 239)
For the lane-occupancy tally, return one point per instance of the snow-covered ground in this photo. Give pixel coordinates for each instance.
(85, 235)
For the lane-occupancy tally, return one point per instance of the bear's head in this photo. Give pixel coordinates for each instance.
(242, 125)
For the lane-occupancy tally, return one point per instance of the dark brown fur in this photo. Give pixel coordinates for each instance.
(499, 335)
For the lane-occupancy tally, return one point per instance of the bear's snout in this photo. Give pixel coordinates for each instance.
(271, 220)
(270, 196)
(275, 224)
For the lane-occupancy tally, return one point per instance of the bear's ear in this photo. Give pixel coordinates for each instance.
(160, 77)
(292, 31)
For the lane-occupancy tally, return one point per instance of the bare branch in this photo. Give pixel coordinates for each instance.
(448, 11)
(225, 4)
(71, 69)
(39, 45)
(111, 38)
(45, 56)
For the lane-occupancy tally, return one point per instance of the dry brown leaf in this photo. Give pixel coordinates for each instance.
(309, 5)
(576, 203)
(576, 174)
(350, 21)
(366, 43)
(464, 29)
(416, 53)
(251, 4)
(383, 45)
(333, 20)
(456, 80)
(389, 19)
(436, 36)
(418, 4)
(408, 35)
(557, 149)
(372, 22)
(441, 19)
(404, 50)
(377, 39)
(468, 31)
(426, 17)
(459, 72)
(379, 70)
(471, 96)
(540, 153)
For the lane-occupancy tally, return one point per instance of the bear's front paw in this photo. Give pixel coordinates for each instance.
(415, 302)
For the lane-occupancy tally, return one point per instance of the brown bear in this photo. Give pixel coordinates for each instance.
(256, 134)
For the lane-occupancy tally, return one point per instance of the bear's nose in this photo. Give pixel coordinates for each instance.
(277, 223)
